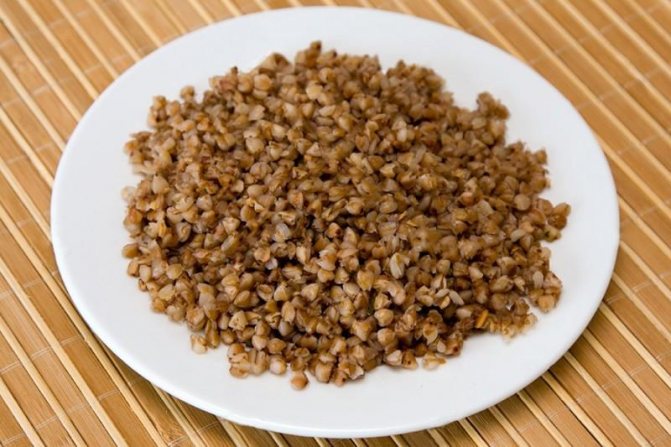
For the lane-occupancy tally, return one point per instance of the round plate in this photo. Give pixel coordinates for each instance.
(87, 213)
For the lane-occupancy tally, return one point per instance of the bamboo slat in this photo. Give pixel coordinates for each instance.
(60, 386)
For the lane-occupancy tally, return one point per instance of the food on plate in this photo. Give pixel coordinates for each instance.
(328, 216)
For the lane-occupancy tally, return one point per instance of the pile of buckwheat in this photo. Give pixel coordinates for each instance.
(329, 216)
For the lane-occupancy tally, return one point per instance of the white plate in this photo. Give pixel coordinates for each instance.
(87, 213)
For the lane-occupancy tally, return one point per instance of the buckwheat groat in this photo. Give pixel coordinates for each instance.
(326, 216)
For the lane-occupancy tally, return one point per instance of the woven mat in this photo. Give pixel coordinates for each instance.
(60, 386)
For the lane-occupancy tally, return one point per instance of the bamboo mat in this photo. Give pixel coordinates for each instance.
(60, 386)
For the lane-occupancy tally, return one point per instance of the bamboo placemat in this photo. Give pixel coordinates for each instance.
(60, 386)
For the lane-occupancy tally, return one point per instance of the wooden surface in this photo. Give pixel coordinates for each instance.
(60, 386)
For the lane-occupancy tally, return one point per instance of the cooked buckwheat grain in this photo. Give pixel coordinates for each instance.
(330, 216)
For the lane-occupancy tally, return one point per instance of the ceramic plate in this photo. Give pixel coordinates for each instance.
(87, 214)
